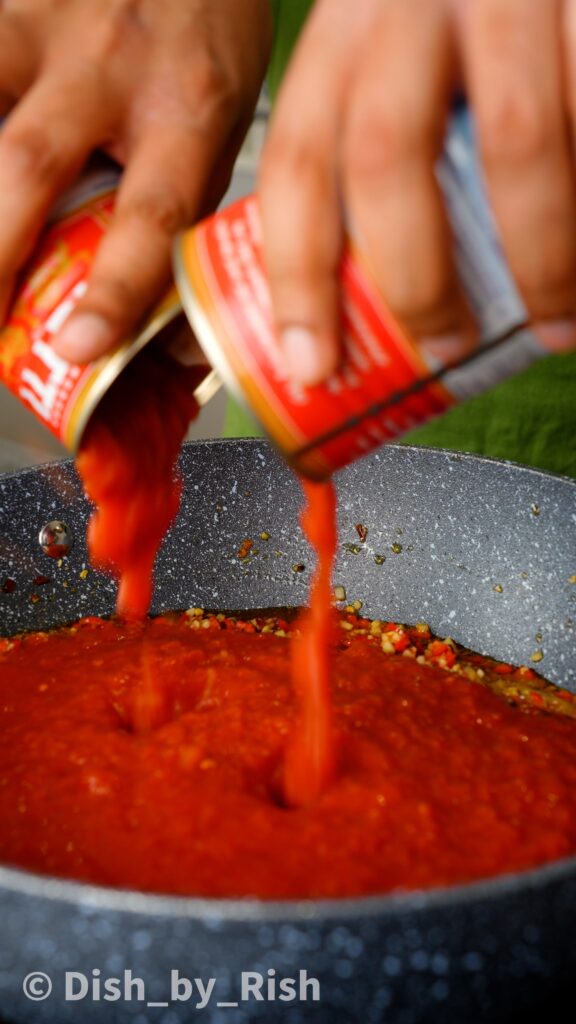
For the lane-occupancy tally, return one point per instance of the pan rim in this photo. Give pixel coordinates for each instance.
(247, 909)
(450, 454)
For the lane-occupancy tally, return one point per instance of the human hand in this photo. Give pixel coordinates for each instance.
(167, 89)
(358, 129)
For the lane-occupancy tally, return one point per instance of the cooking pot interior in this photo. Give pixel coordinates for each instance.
(483, 551)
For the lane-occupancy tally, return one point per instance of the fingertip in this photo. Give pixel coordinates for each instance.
(84, 338)
(309, 356)
(557, 335)
(444, 349)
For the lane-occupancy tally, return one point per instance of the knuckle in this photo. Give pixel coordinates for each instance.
(550, 295)
(34, 152)
(111, 297)
(501, 25)
(215, 96)
(383, 137)
(366, 156)
(119, 18)
(291, 283)
(121, 9)
(513, 128)
(290, 157)
(164, 212)
(281, 154)
(430, 308)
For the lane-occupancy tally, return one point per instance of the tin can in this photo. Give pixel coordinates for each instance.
(385, 386)
(61, 395)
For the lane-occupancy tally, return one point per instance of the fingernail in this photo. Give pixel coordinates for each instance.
(300, 348)
(557, 335)
(83, 338)
(442, 349)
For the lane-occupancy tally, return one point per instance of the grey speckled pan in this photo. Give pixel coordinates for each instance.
(484, 551)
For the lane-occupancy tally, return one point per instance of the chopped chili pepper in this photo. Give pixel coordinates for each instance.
(401, 643)
(439, 650)
(525, 673)
(362, 532)
(245, 548)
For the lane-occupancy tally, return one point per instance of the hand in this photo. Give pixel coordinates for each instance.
(166, 87)
(357, 131)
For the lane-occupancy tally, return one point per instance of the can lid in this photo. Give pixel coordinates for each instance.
(207, 388)
(202, 328)
(106, 369)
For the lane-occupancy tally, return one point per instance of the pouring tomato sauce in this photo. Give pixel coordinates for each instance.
(127, 462)
(195, 754)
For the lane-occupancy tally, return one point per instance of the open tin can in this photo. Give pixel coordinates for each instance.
(385, 384)
(221, 278)
(62, 395)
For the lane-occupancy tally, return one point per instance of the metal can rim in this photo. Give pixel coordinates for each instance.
(109, 367)
(201, 326)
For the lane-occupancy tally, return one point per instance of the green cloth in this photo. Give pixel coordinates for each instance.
(530, 418)
(289, 17)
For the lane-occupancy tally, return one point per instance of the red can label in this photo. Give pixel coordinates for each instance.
(60, 394)
(223, 287)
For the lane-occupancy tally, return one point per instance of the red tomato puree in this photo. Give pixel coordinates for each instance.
(438, 779)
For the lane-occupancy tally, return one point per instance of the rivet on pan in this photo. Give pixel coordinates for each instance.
(55, 539)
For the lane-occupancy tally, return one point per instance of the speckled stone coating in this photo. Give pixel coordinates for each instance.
(484, 551)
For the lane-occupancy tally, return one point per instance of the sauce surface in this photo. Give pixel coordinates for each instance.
(438, 779)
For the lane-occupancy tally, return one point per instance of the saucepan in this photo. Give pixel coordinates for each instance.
(485, 552)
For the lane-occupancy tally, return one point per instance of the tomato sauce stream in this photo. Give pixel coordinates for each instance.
(127, 462)
(310, 763)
